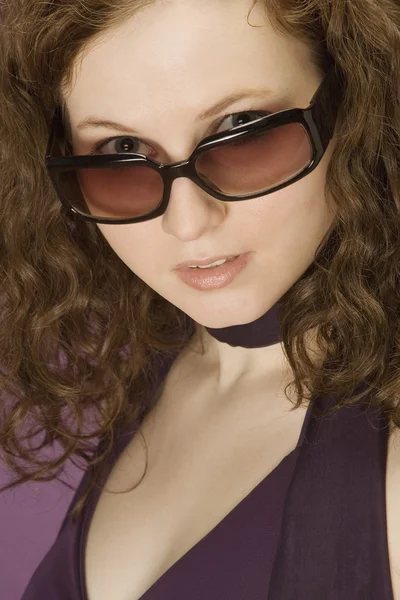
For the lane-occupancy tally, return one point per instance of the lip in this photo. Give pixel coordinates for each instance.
(214, 277)
(184, 266)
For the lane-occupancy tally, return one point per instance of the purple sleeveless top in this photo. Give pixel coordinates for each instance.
(313, 529)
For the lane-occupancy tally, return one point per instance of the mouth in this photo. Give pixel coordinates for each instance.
(212, 277)
(217, 263)
(206, 263)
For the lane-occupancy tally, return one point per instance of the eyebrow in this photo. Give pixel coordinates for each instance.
(92, 122)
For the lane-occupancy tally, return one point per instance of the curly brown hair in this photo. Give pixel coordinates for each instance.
(66, 294)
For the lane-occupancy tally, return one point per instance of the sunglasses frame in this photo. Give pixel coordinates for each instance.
(318, 119)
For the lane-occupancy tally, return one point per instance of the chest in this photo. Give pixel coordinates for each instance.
(200, 465)
(198, 470)
(393, 508)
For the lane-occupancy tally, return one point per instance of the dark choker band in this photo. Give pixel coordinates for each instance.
(264, 331)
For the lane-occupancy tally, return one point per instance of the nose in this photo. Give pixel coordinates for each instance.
(191, 211)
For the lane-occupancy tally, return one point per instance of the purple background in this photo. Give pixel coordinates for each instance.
(30, 517)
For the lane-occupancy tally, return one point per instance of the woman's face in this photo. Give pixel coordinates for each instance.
(155, 75)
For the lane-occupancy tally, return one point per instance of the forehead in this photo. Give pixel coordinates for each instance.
(186, 53)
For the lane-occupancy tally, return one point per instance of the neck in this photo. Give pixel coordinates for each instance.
(248, 352)
(242, 352)
(260, 333)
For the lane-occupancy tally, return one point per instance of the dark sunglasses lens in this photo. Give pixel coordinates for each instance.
(243, 166)
(117, 192)
(256, 162)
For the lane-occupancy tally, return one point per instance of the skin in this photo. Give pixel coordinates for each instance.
(156, 74)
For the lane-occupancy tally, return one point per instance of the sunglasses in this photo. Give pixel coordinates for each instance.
(247, 161)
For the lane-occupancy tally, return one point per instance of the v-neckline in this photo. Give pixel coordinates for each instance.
(214, 530)
(119, 448)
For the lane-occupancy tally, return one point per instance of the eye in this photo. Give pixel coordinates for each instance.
(249, 115)
(123, 145)
(133, 145)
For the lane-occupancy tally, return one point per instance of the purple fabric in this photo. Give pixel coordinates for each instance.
(334, 542)
(314, 529)
(264, 331)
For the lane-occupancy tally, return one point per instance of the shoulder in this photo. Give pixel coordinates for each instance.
(392, 504)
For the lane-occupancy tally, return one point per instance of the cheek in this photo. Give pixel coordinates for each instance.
(134, 245)
(291, 221)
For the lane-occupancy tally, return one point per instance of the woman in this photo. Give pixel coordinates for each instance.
(248, 487)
